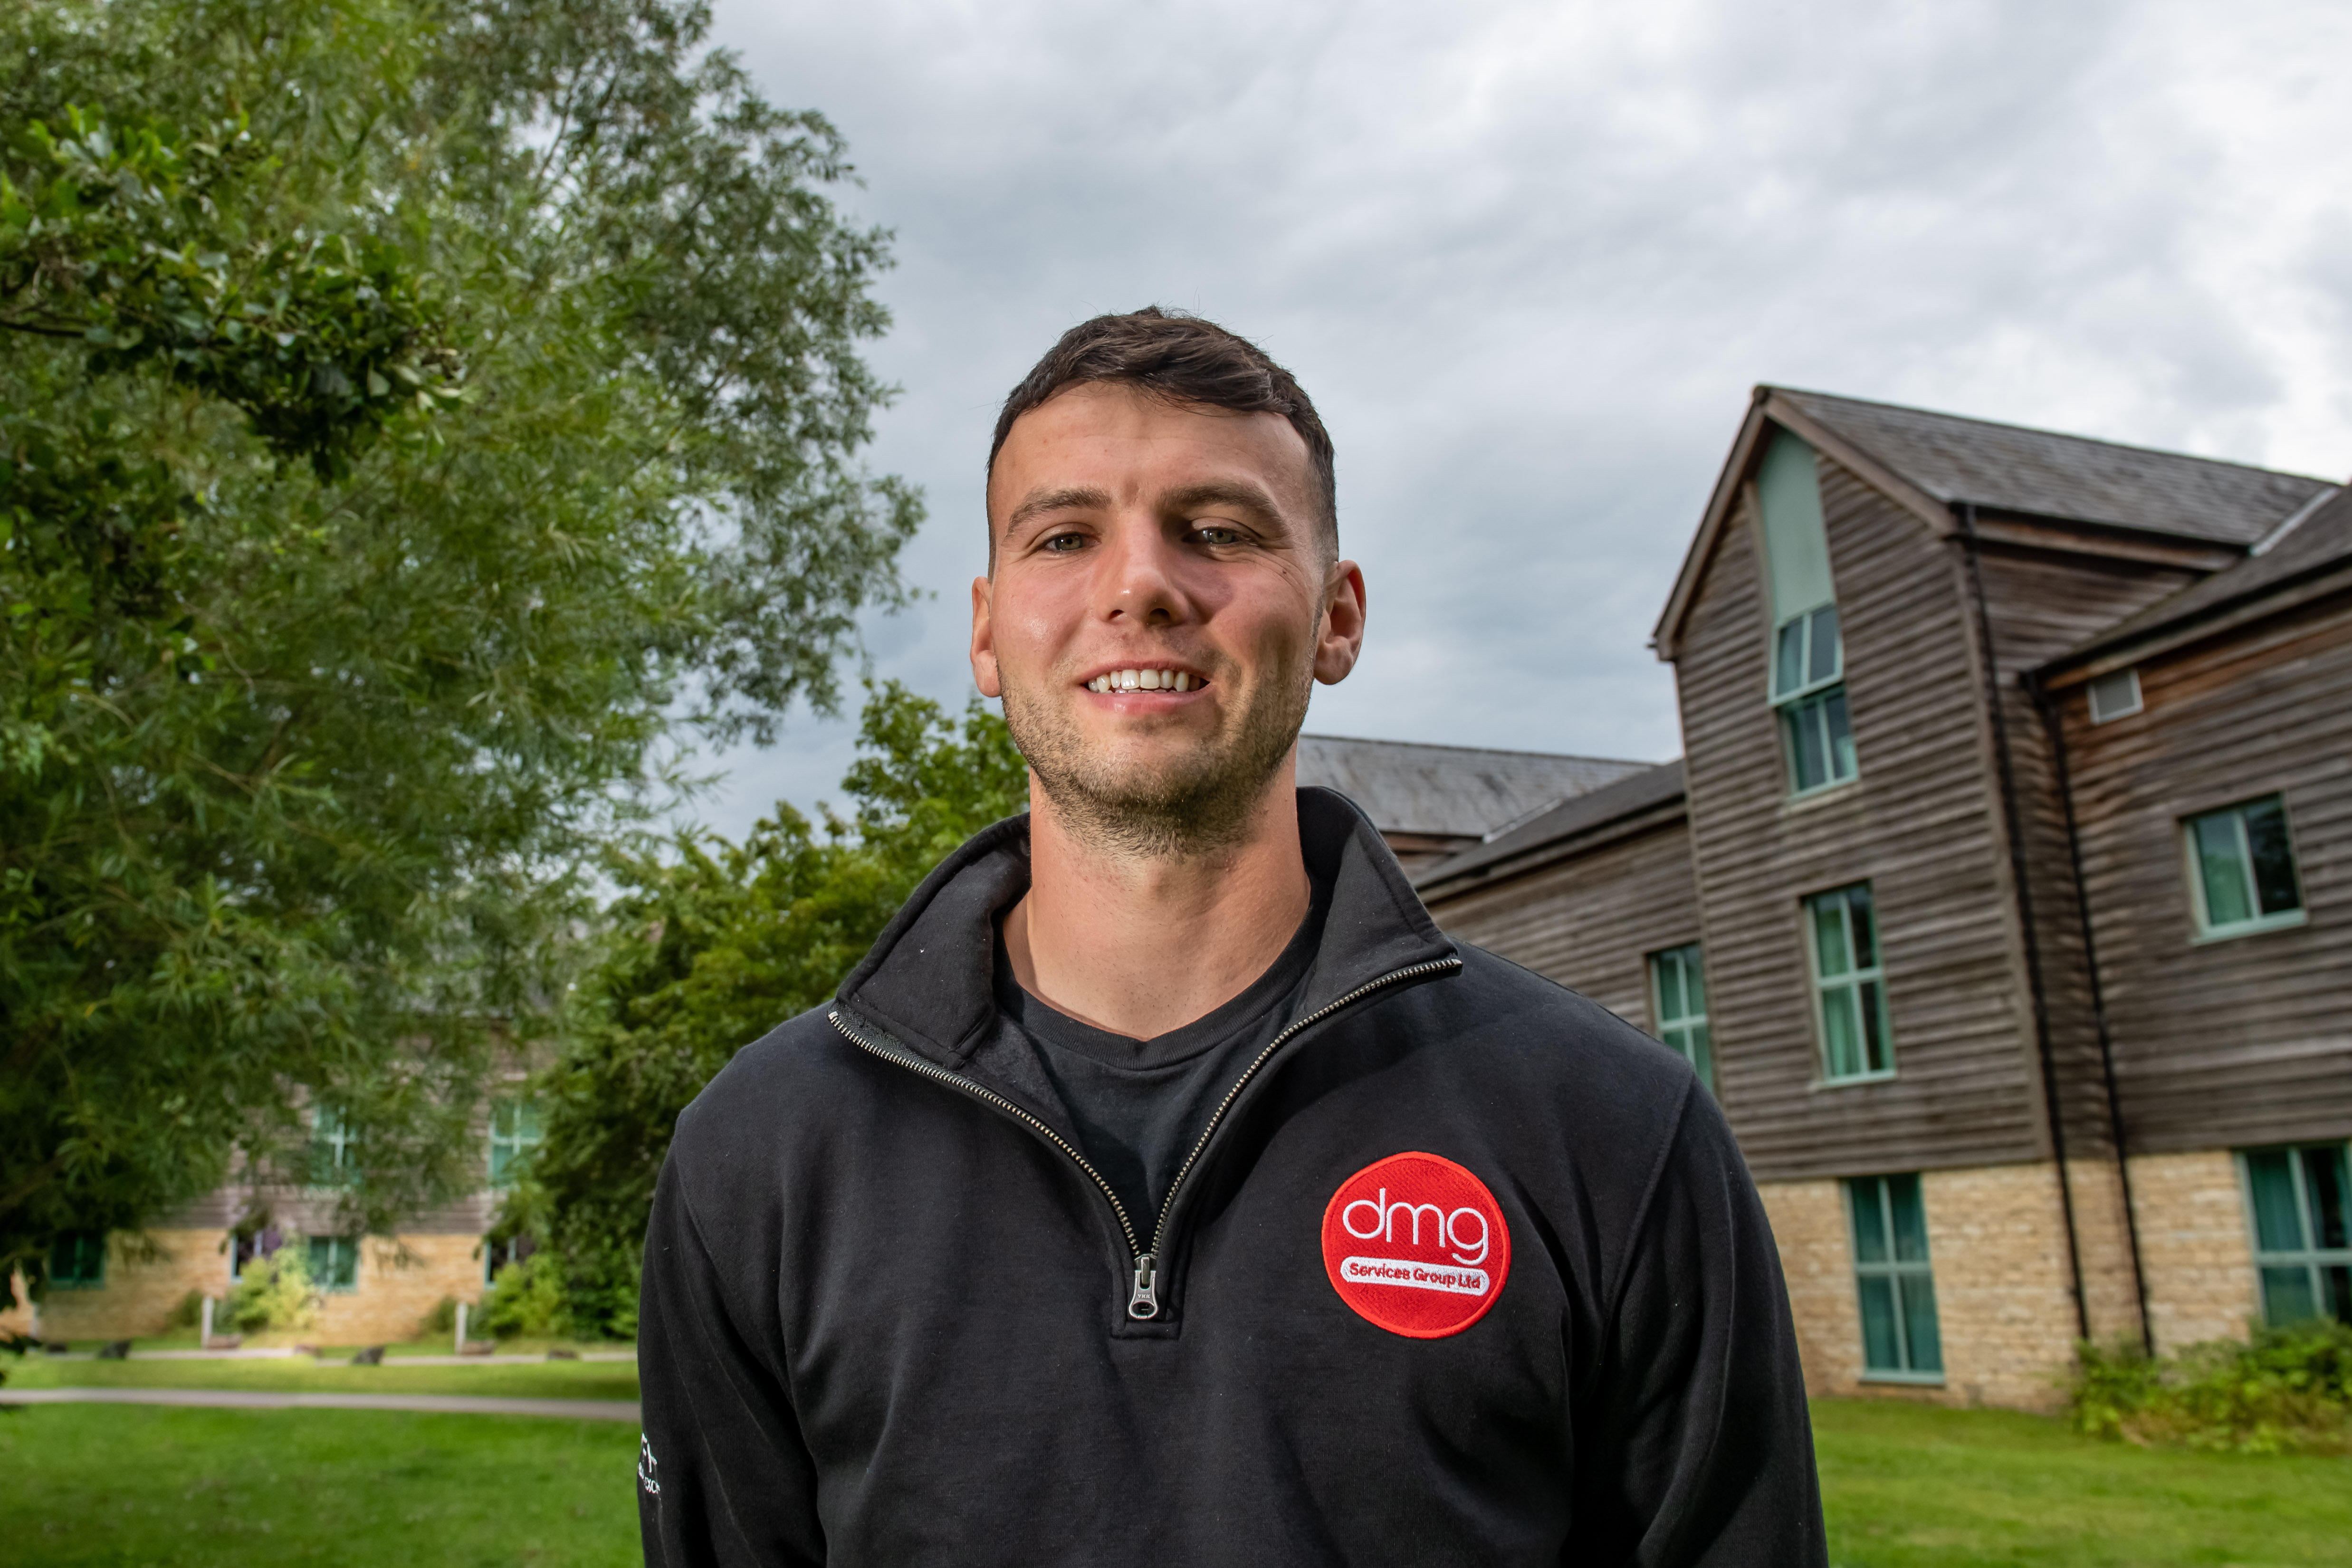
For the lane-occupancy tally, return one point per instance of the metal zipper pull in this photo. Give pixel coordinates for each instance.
(1145, 1301)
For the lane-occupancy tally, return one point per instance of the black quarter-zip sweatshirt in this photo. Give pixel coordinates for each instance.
(893, 1315)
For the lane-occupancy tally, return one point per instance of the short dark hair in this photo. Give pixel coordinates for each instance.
(1183, 359)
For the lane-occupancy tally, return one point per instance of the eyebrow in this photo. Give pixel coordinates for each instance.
(1057, 501)
(1241, 498)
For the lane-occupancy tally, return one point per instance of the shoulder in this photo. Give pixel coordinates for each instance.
(754, 1102)
(1559, 1031)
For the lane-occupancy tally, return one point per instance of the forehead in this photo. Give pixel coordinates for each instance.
(1124, 441)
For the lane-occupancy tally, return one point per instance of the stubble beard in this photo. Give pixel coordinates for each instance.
(1185, 807)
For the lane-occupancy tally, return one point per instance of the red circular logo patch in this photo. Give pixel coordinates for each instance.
(1417, 1245)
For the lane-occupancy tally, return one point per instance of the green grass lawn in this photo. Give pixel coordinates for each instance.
(525, 1379)
(1906, 1486)
(1910, 1485)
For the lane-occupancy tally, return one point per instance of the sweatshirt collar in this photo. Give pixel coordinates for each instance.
(928, 979)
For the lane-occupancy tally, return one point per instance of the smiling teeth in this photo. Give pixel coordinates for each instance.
(1144, 680)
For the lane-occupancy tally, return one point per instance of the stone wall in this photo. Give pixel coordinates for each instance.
(1816, 1258)
(2004, 1294)
(400, 1281)
(147, 1277)
(2195, 1246)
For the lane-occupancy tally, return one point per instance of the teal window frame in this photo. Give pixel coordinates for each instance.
(77, 1260)
(1679, 1006)
(334, 1148)
(2243, 878)
(515, 1131)
(1843, 943)
(334, 1262)
(1808, 692)
(1895, 1280)
(2299, 1215)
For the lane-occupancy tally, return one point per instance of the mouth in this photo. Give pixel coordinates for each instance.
(1140, 678)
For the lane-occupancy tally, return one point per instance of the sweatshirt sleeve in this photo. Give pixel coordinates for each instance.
(1696, 1447)
(723, 1477)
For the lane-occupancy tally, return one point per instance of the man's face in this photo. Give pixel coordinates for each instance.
(1135, 535)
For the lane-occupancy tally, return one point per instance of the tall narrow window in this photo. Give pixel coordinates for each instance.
(1850, 992)
(1807, 653)
(1678, 1003)
(2302, 1252)
(514, 1134)
(334, 1148)
(2242, 869)
(334, 1262)
(1897, 1286)
(77, 1259)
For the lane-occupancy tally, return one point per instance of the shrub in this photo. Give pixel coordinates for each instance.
(442, 1319)
(526, 1299)
(2285, 1389)
(189, 1313)
(274, 1293)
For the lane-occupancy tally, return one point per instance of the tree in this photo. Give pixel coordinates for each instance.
(714, 945)
(417, 418)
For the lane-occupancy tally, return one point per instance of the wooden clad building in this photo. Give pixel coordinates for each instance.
(2031, 1023)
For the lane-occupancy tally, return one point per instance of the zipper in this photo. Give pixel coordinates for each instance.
(1143, 1293)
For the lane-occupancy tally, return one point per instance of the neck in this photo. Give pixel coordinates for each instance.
(1143, 944)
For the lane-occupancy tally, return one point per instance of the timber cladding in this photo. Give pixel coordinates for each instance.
(1920, 823)
(2246, 1039)
(1590, 920)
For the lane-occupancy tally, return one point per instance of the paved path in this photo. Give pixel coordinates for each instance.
(254, 1399)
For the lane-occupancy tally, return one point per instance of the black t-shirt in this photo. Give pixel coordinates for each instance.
(1138, 1106)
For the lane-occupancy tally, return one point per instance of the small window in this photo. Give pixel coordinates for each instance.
(334, 1262)
(514, 1134)
(1842, 930)
(1678, 1003)
(2303, 1247)
(1897, 1286)
(77, 1259)
(2114, 696)
(334, 1148)
(1808, 667)
(2242, 869)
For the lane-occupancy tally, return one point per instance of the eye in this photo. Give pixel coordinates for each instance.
(1063, 543)
(1218, 534)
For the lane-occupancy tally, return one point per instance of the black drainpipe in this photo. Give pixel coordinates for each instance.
(2053, 722)
(2018, 869)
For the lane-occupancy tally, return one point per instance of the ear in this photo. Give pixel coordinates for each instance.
(1341, 638)
(983, 638)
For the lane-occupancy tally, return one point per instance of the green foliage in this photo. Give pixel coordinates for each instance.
(412, 413)
(273, 1294)
(2287, 1389)
(442, 1319)
(527, 1300)
(188, 1314)
(717, 944)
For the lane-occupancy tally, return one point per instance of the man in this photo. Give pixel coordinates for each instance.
(1164, 1186)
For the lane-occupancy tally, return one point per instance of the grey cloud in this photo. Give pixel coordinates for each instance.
(1529, 258)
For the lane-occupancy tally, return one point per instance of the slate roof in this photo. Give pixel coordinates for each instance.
(1653, 786)
(1462, 792)
(2006, 468)
(2318, 544)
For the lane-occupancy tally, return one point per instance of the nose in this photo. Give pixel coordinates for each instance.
(1140, 575)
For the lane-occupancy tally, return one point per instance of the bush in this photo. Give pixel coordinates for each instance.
(442, 1319)
(274, 1293)
(189, 1313)
(527, 1300)
(2287, 1389)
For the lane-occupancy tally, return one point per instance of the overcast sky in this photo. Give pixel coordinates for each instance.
(1529, 259)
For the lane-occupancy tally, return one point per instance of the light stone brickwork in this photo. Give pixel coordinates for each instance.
(2004, 1298)
(2004, 1294)
(400, 1282)
(2108, 1287)
(147, 1278)
(1817, 1259)
(2195, 1246)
